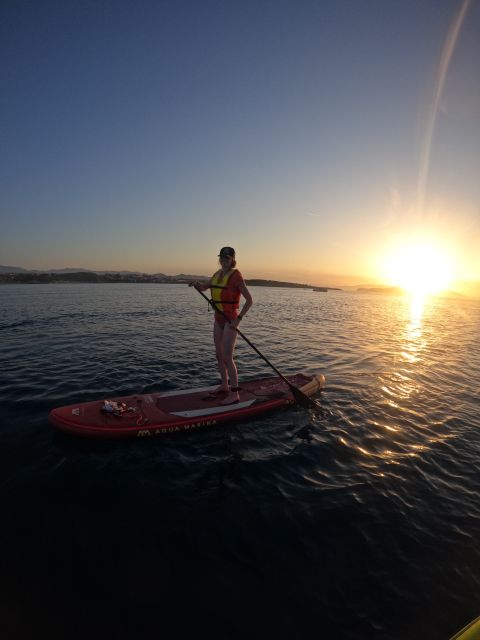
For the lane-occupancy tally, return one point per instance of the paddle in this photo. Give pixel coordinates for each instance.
(299, 396)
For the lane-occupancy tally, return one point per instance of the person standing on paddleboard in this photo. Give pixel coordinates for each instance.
(226, 286)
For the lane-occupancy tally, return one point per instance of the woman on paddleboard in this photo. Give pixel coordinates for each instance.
(226, 286)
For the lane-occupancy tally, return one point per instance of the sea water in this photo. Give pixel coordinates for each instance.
(362, 522)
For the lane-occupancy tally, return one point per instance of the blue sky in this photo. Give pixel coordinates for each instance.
(146, 135)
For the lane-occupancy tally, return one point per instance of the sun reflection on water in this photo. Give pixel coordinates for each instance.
(401, 387)
(417, 304)
(413, 331)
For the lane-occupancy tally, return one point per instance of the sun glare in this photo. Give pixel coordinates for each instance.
(419, 268)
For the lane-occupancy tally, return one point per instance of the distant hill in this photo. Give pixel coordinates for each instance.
(183, 277)
(7, 269)
(44, 277)
(65, 270)
(48, 277)
(453, 294)
(4, 269)
(18, 275)
(469, 288)
(385, 290)
(275, 283)
(399, 291)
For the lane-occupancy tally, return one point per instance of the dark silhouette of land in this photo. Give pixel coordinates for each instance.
(16, 275)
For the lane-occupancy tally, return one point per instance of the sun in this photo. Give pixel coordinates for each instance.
(420, 267)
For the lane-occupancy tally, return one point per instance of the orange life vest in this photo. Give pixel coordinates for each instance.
(225, 297)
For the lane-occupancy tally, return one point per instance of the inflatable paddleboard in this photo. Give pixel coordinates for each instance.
(167, 412)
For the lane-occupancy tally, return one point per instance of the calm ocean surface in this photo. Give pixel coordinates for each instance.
(361, 523)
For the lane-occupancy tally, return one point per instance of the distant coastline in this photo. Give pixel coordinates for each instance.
(90, 277)
(384, 290)
(18, 275)
(67, 276)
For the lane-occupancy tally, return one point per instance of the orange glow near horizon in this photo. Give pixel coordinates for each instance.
(420, 267)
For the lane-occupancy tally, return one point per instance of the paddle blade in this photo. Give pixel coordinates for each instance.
(304, 401)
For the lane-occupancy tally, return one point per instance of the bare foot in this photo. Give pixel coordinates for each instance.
(217, 392)
(231, 398)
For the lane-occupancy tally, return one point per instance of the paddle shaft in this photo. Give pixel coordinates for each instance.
(280, 375)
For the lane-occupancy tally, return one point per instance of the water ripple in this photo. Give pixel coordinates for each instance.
(362, 520)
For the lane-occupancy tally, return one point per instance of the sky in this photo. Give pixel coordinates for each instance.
(312, 136)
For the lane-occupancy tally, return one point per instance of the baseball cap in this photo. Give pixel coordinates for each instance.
(226, 252)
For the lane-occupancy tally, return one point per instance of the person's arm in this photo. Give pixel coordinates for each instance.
(201, 286)
(248, 302)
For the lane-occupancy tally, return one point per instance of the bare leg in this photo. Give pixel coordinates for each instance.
(218, 339)
(228, 347)
(229, 340)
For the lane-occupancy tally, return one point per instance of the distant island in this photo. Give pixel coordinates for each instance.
(275, 283)
(16, 275)
(385, 290)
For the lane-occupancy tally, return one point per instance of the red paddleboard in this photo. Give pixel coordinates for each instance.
(166, 412)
